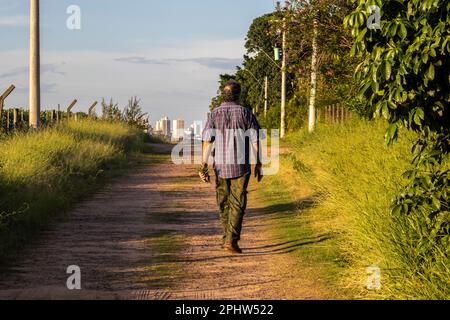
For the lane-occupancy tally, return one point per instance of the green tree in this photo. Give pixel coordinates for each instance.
(404, 76)
(258, 63)
(335, 66)
(133, 115)
(111, 111)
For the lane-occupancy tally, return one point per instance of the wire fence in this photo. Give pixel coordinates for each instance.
(14, 119)
(334, 114)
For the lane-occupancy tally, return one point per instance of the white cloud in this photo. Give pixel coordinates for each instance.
(14, 21)
(181, 88)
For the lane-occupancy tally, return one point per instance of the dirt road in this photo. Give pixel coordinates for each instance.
(154, 234)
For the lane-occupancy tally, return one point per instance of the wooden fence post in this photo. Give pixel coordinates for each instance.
(15, 116)
(91, 109)
(57, 114)
(328, 114)
(333, 114)
(1, 112)
(3, 97)
(69, 109)
(7, 120)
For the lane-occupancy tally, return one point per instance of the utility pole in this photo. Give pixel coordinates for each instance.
(283, 84)
(266, 95)
(35, 99)
(312, 100)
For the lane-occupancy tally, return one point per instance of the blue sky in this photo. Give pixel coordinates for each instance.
(168, 52)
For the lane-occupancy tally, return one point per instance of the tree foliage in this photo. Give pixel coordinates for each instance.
(404, 76)
(336, 67)
(133, 115)
(111, 111)
(258, 63)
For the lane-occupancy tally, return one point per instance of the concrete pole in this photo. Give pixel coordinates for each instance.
(58, 114)
(312, 100)
(8, 121)
(1, 111)
(15, 117)
(266, 95)
(283, 85)
(35, 90)
(91, 109)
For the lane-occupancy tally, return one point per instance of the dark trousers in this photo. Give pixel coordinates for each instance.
(232, 202)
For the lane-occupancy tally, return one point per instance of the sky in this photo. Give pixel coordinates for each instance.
(169, 53)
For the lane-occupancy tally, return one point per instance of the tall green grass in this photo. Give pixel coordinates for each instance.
(356, 177)
(43, 173)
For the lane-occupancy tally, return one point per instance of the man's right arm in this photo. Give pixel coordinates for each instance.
(207, 147)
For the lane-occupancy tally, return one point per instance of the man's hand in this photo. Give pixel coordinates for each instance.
(259, 172)
(203, 172)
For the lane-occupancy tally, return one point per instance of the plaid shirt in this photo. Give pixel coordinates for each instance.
(229, 127)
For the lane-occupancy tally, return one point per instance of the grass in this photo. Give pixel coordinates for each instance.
(292, 202)
(43, 173)
(348, 177)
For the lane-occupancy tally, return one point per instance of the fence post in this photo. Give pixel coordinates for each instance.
(3, 97)
(57, 114)
(328, 114)
(333, 118)
(7, 120)
(15, 116)
(344, 115)
(91, 109)
(69, 109)
(1, 112)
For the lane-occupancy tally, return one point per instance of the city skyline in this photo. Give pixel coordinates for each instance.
(176, 128)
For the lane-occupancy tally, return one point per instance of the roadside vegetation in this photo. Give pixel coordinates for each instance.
(356, 177)
(382, 180)
(339, 183)
(43, 173)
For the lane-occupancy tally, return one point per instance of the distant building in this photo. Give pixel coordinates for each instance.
(166, 128)
(198, 128)
(178, 129)
(158, 128)
(163, 127)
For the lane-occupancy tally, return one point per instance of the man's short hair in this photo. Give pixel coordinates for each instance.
(231, 91)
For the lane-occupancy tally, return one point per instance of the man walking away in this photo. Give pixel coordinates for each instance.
(233, 132)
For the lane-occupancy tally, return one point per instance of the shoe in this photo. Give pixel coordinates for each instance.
(232, 247)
